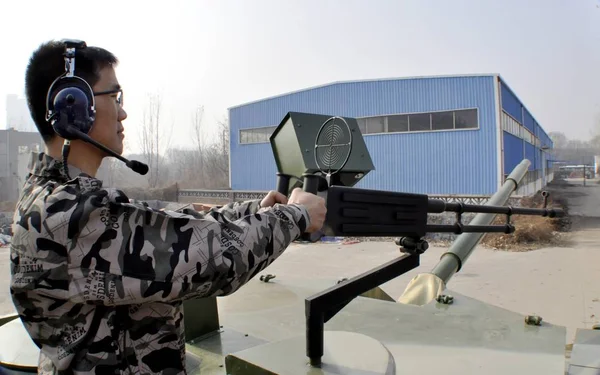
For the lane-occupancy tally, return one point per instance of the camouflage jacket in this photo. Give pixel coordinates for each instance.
(98, 279)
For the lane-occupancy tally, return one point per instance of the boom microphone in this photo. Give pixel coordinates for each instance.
(134, 165)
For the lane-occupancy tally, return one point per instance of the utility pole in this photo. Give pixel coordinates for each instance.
(583, 162)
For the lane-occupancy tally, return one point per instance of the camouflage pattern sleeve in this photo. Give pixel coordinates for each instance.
(232, 211)
(116, 252)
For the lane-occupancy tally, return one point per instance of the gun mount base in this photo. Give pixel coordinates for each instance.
(431, 339)
(346, 353)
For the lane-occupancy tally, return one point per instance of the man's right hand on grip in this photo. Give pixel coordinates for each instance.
(315, 206)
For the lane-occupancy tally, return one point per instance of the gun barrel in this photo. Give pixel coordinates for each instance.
(452, 260)
(439, 206)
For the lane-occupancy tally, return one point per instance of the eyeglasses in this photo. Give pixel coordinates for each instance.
(119, 93)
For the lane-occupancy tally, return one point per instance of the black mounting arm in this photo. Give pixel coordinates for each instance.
(323, 306)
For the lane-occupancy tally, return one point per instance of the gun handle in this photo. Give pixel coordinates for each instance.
(283, 183)
(311, 185)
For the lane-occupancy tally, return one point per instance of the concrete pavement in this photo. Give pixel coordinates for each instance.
(560, 284)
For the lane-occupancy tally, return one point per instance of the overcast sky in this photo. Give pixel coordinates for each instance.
(223, 53)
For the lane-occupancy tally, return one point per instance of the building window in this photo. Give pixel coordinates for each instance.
(256, 135)
(375, 125)
(527, 135)
(362, 125)
(442, 121)
(510, 125)
(397, 123)
(466, 119)
(420, 122)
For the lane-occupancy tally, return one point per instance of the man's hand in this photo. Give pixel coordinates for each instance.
(315, 206)
(272, 198)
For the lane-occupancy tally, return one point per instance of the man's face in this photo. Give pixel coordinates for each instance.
(107, 128)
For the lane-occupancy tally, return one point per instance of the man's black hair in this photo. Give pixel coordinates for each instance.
(46, 64)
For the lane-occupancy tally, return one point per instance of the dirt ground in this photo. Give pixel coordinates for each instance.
(561, 284)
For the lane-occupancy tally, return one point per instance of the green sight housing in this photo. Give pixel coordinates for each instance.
(306, 145)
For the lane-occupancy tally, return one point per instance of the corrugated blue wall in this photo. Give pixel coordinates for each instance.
(511, 104)
(515, 108)
(528, 121)
(513, 151)
(530, 154)
(452, 162)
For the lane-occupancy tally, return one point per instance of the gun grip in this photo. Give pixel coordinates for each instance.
(311, 185)
(283, 183)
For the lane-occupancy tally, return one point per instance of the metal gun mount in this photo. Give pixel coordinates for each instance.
(361, 212)
(338, 149)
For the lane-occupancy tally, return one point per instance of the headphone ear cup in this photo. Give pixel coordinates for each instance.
(71, 103)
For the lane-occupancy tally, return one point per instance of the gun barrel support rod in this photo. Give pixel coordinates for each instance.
(452, 260)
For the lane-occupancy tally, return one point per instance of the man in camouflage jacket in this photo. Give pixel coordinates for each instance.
(98, 279)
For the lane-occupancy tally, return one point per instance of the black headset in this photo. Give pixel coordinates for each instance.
(70, 99)
(71, 108)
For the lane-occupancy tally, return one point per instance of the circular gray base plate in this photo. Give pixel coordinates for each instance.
(355, 353)
(17, 350)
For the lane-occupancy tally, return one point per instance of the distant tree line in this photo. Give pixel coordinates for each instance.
(574, 151)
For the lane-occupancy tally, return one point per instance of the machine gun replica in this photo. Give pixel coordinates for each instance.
(327, 156)
(271, 327)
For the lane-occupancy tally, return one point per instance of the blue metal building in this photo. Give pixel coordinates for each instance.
(449, 135)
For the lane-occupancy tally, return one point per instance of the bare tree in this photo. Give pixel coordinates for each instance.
(559, 139)
(223, 147)
(217, 158)
(182, 169)
(153, 139)
(199, 138)
(594, 139)
(108, 171)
